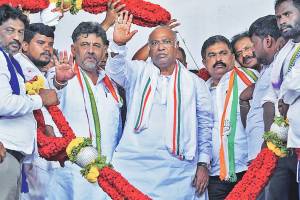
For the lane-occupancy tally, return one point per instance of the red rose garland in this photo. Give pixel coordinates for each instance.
(144, 13)
(256, 177)
(118, 187)
(54, 148)
(33, 6)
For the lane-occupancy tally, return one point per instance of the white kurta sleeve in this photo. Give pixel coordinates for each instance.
(11, 104)
(205, 121)
(290, 88)
(122, 71)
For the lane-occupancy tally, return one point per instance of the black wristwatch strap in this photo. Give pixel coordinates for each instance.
(203, 164)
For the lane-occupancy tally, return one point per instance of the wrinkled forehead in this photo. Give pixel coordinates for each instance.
(162, 33)
(217, 48)
(14, 23)
(89, 37)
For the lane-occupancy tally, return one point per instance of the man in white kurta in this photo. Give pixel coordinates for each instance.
(284, 94)
(229, 140)
(145, 155)
(75, 102)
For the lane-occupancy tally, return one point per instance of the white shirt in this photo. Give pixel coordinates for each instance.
(255, 121)
(73, 107)
(17, 124)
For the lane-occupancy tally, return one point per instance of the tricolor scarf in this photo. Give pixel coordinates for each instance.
(180, 136)
(13, 68)
(228, 121)
(279, 62)
(107, 83)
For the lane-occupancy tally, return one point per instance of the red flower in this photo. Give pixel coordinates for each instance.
(255, 179)
(144, 13)
(54, 148)
(33, 6)
(203, 73)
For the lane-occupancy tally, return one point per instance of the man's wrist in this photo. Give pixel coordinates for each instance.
(203, 164)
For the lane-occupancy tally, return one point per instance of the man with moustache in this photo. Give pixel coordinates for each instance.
(229, 139)
(91, 104)
(166, 144)
(285, 92)
(243, 50)
(17, 124)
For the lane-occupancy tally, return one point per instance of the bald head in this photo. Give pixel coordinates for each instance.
(163, 48)
(164, 29)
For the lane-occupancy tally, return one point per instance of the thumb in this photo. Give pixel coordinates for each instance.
(132, 33)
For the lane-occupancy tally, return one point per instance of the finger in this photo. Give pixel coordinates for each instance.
(109, 4)
(56, 10)
(114, 4)
(171, 21)
(174, 25)
(131, 34)
(71, 60)
(61, 56)
(66, 9)
(129, 22)
(65, 58)
(55, 60)
(119, 8)
(121, 16)
(125, 20)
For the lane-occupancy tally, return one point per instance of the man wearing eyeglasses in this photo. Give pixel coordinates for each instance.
(166, 144)
(244, 51)
(229, 140)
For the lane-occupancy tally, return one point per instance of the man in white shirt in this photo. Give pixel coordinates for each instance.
(166, 143)
(284, 91)
(229, 140)
(91, 104)
(17, 124)
(37, 53)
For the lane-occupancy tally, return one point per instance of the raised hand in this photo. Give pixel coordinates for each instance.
(112, 13)
(173, 23)
(122, 33)
(64, 67)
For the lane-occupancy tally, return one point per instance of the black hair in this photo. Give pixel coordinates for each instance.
(213, 40)
(7, 12)
(264, 26)
(36, 28)
(89, 28)
(295, 2)
(238, 37)
(182, 52)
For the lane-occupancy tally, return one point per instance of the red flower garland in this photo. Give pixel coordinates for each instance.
(256, 178)
(144, 13)
(54, 148)
(33, 6)
(117, 187)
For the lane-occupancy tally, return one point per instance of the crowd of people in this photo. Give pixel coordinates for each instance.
(170, 133)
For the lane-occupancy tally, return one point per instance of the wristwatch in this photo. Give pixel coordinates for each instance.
(203, 164)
